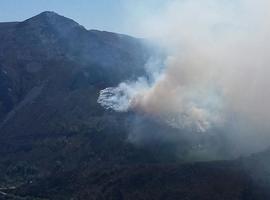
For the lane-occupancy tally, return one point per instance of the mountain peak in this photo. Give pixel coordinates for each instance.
(49, 13)
(52, 18)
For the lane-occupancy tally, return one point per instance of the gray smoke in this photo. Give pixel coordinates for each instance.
(216, 72)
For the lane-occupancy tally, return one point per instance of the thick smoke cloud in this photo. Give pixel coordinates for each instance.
(216, 74)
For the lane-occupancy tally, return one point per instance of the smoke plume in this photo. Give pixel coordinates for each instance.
(215, 75)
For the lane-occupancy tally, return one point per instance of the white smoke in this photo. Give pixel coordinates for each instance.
(121, 98)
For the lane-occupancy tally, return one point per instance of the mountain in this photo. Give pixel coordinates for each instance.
(51, 72)
(49, 43)
(57, 142)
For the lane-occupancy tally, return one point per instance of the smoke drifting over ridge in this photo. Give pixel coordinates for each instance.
(216, 72)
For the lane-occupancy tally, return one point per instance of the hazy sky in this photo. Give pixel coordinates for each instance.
(110, 15)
